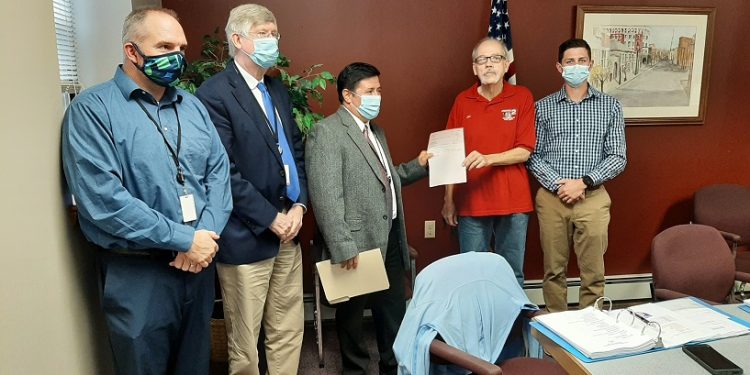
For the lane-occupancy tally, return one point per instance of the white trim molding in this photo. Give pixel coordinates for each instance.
(617, 287)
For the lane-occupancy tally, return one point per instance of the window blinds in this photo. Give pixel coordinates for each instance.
(66, 44)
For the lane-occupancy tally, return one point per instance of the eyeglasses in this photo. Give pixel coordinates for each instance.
(494, 58)
(264, 34)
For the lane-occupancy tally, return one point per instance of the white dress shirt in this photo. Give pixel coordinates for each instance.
(252, 83)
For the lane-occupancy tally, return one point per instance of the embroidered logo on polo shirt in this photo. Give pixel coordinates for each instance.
(509, 114)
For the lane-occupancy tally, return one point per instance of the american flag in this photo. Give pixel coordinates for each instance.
(500, 29)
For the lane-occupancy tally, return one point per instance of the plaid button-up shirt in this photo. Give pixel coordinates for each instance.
(578, 139)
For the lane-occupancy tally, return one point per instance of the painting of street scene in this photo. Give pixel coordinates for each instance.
(644, 66)
(655, 60)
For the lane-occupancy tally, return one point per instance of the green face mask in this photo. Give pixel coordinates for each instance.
(164, 70)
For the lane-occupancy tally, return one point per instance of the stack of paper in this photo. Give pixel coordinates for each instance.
(596, 333)
(686, 320)
(600, 334)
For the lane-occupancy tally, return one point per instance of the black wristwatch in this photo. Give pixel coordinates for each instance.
(588, 182)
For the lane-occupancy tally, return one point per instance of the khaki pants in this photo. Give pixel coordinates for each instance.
(269, 291)
(585, 225)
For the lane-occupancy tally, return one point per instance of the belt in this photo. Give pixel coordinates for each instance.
(588, 190)
(151, 254)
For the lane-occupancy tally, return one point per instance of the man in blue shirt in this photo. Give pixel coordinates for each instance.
(151, 180)
(580, 144)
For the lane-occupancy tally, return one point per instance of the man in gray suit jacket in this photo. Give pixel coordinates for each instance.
(356, 193)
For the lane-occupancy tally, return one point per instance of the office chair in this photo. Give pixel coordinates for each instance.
(727, 208)
(447, 354)
(693, 260)
(468, 311)
(316, 253)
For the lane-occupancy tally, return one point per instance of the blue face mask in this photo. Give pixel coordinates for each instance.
(575, 75)
(370, 106)
(164, 70)
(266, 52)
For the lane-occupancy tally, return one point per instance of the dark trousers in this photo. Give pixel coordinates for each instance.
(388, 309)
(157, 316)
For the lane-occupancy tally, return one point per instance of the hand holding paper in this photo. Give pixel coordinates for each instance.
(448, 154)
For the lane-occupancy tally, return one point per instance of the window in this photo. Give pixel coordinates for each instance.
(66, 45)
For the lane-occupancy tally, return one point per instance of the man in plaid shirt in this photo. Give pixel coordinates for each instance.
(580, 145)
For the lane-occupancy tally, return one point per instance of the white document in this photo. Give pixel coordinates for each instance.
(596, 333)
(676, 329)
(599, 334)
(340, 284)
(707, 323)
(448, 152)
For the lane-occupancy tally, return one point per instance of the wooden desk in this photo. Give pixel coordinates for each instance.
(671, 361)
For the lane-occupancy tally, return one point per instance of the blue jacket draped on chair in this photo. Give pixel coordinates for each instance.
(470, 299)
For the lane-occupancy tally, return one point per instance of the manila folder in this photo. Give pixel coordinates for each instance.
(341, 284)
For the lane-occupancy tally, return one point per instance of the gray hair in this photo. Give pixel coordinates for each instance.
(243, 18)
(487, 39)
(131, 28)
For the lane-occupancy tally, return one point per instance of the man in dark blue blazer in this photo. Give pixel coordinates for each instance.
(260, 262)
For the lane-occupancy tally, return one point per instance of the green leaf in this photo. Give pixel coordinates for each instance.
(303, 88)
(309, 120)
(317, 96)
(282, 61)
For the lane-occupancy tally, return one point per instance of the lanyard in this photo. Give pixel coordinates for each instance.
(175, 153)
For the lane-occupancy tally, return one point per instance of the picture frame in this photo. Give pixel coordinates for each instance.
(655, 60)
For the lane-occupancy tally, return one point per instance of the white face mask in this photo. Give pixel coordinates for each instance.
(266, 51)
(575, 75)
(369, 108)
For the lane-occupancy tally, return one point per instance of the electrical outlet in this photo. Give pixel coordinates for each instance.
(429, 229)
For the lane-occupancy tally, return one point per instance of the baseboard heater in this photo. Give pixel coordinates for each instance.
(617, 287)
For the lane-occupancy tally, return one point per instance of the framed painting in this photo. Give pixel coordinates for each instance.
(655, 60)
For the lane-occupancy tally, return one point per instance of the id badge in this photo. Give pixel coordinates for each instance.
(286, 173)
(187, 203)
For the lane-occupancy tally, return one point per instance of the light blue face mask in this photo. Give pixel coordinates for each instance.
(370, 106)
(575, 75)
(266, 52)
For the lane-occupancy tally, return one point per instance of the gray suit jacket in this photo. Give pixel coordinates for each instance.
(347, 190)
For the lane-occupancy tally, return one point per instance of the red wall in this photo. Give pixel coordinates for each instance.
(423, 50)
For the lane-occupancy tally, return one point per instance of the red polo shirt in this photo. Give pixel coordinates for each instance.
(491, 127)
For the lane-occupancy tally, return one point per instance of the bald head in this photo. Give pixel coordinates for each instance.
(489, 44)
(148, 33)
(154, 31)
(136, 27)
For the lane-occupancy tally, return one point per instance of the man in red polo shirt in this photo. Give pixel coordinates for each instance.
(498, 122)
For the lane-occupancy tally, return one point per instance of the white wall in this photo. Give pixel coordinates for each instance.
(137, 4)
(49, 320)
(98, 33)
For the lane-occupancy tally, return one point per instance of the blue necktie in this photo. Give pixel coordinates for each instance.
(292, 190)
